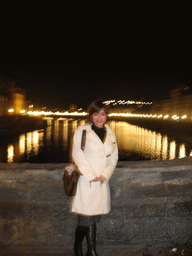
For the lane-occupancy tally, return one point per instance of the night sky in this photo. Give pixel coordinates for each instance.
(59, 87)
(109, 52)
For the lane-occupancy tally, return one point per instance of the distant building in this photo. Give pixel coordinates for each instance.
(11, 97)
(73, 107)
(18, 100)
(179, 103)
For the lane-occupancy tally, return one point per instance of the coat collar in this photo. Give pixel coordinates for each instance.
(94, 136)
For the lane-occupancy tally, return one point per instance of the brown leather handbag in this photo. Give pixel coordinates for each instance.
(70, 181)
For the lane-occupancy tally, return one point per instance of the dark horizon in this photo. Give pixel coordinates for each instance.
(60, 87)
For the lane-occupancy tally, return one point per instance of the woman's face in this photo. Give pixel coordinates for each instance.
(99, 118)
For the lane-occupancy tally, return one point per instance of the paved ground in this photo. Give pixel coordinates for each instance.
(101, 250)
(109, 250)
(151, 204)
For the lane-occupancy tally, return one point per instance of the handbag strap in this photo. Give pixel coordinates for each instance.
(83, 140)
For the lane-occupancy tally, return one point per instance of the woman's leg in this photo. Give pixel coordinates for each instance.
(80, 233)
(91, 240)
(86, 227)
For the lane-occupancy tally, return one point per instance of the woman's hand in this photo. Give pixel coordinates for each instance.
(100, 178)
(70, 168)
(95, 179)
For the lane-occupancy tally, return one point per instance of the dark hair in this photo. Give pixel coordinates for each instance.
(96, 106)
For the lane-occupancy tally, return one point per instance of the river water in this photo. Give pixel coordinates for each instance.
(52, 144)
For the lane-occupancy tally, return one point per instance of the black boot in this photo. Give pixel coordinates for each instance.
(91, 241)
(79, 236)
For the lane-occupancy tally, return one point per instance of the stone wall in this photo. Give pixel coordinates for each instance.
(151, 204)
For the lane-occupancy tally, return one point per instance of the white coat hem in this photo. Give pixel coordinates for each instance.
(91, 214)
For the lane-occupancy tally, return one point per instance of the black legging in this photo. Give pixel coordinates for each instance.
(88, 220)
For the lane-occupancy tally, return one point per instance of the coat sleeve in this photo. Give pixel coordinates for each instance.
(79, 158)
(111, 161)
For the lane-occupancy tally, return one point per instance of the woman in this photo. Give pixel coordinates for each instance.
(96, 164)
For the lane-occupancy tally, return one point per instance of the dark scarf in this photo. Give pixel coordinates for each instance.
(99, 131)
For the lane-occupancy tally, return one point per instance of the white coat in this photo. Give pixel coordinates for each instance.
(98, 158)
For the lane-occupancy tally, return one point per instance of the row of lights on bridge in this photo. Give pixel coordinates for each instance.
(66, 113)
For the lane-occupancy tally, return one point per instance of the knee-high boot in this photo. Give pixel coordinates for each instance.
(80, 233)
(91, 241)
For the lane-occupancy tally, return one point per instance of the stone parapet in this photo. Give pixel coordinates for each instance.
(151, 204)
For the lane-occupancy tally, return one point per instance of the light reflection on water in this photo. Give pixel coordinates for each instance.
(51, 145)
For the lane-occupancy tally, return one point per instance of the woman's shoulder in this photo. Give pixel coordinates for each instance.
(109, 131)
(108, 128)
(84, 127)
